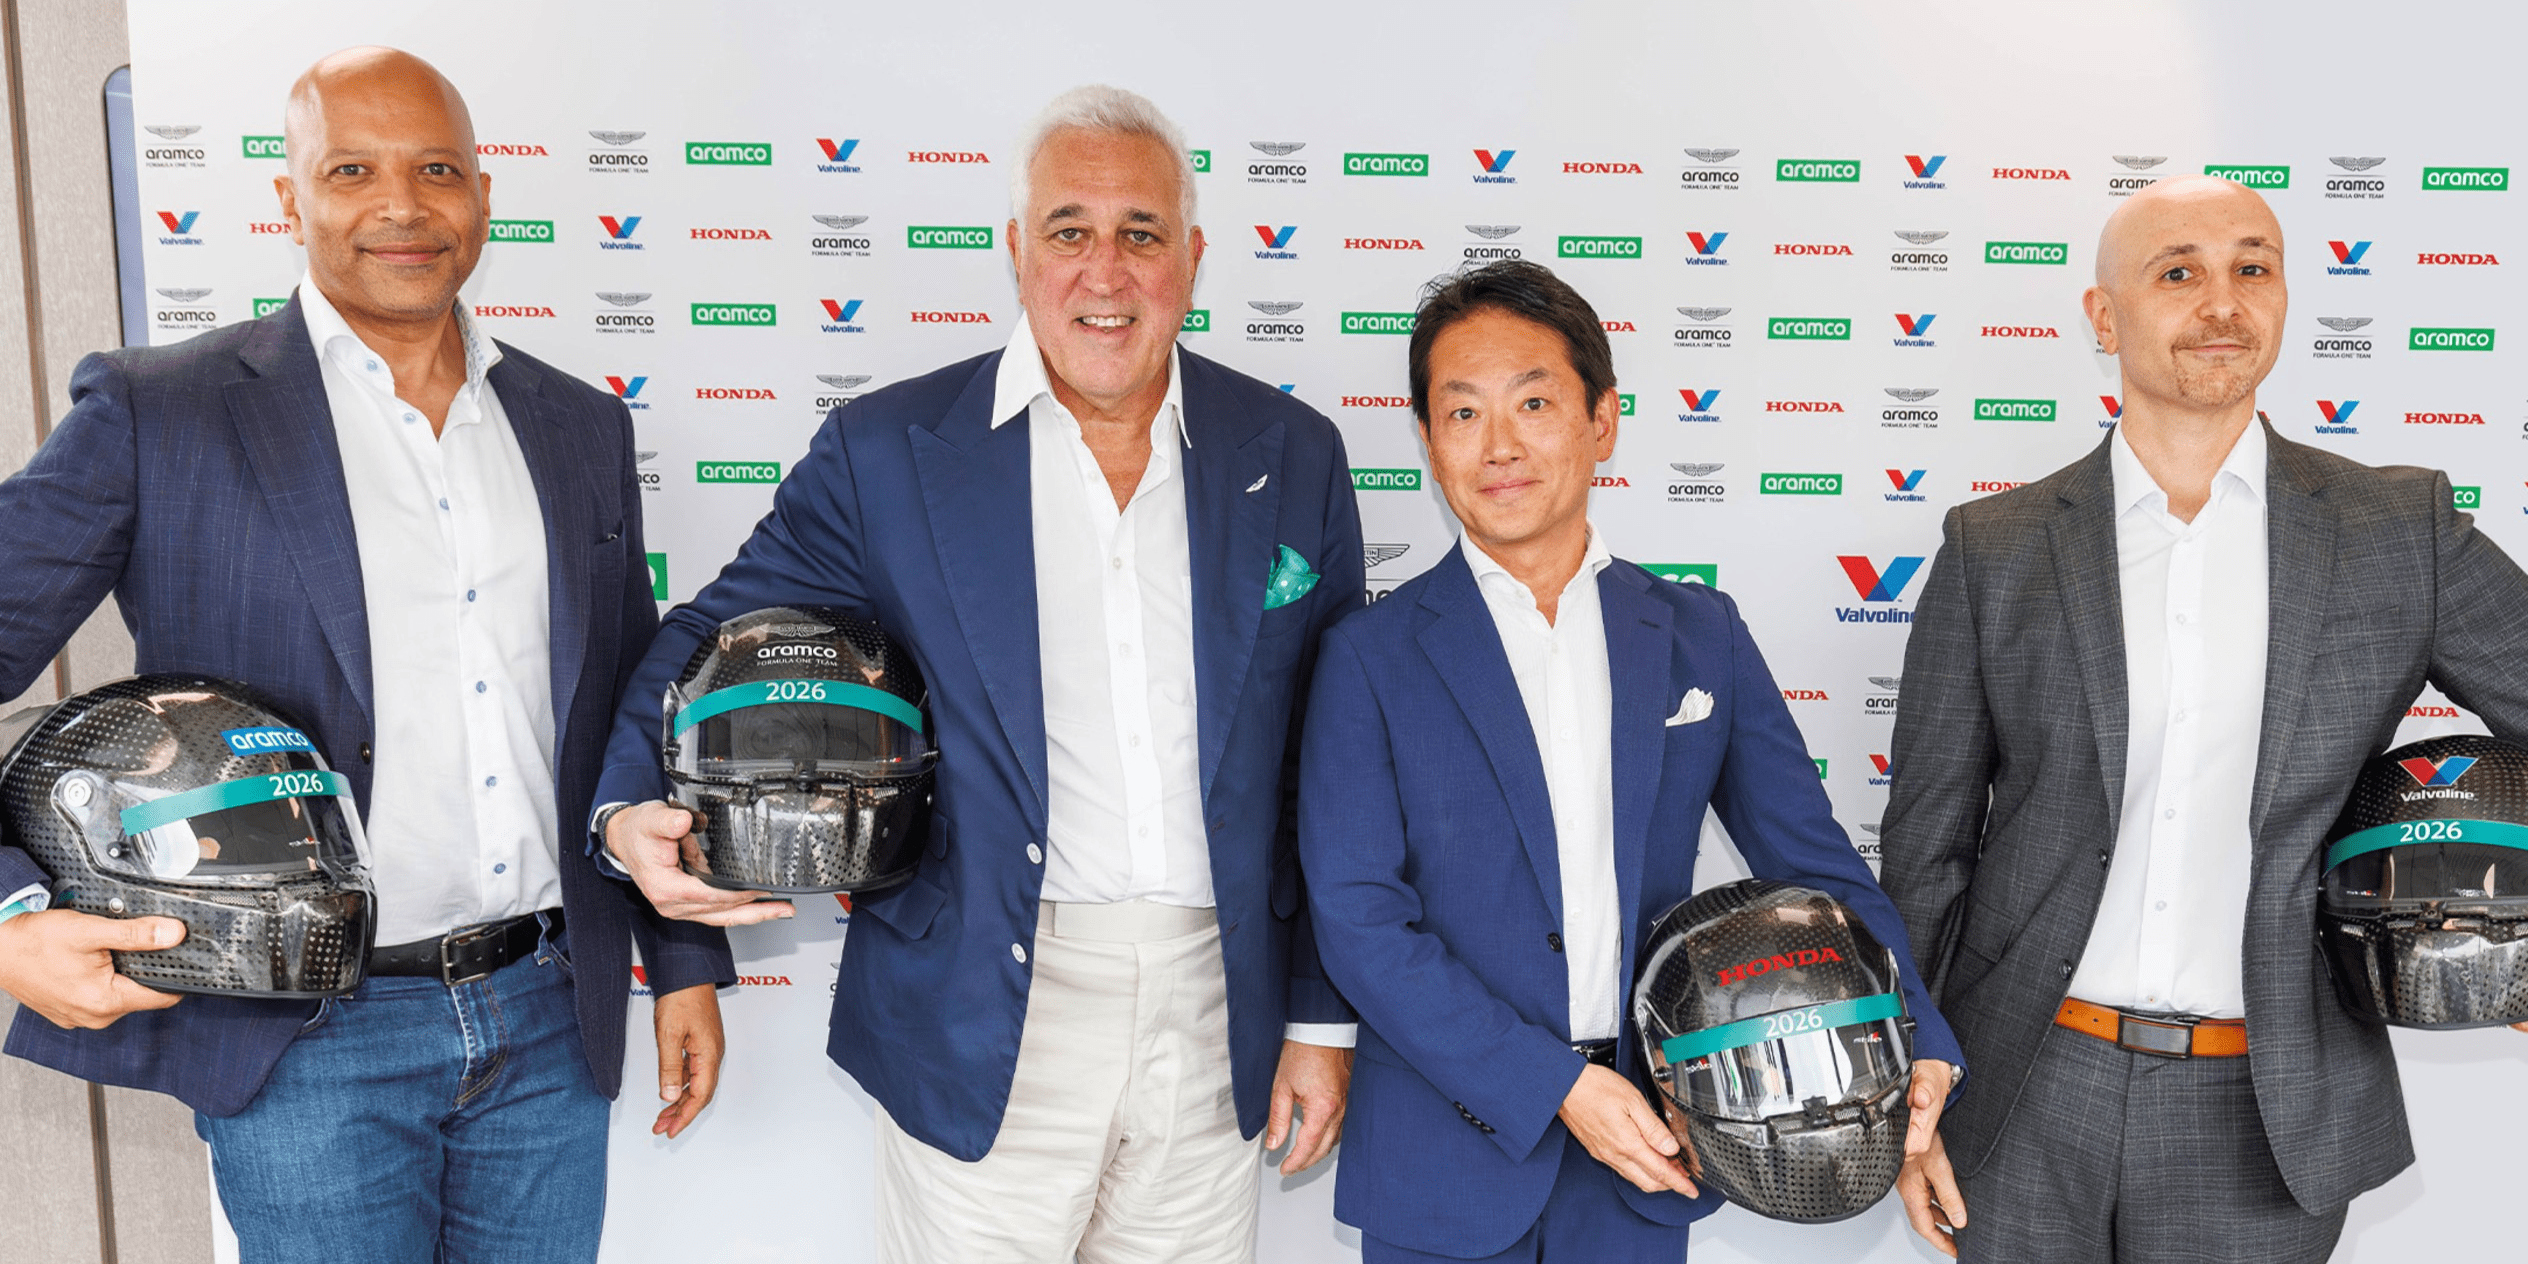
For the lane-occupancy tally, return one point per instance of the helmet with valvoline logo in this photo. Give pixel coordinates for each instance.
(192, 798)
(2423, 910)
(1773, 1024)
(796, 737)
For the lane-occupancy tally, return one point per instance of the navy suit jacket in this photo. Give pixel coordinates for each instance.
(202, 486)
(913, 509)
(1429, 845)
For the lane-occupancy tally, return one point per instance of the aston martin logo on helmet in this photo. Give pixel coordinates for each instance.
(1278, 148)
(1913, 394)
(618, 138)
(623, 298)
(1492, 232)
(841, 223)
(801, 630)
(842, 381)
(2141, 163)
(185, 295)
(1275, 307)
(171, 133)
(1921, 237)
(1702, 313)
(1711, 155)
(2356, 164)
(1375, 554)
(1696, 469)
(2343, 324)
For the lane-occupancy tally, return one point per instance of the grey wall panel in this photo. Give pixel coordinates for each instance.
(48, 1193)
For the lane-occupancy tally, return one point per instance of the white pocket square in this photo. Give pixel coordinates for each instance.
(1694, 707)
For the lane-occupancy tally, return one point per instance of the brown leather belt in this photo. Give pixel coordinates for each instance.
(2166, 1035)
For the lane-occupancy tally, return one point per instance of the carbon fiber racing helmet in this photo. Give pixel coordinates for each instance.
(2423, 911)
(1773, 1025)
(191, 798)
(796, 737)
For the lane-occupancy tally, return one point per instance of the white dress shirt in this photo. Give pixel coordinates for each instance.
(1115, 639)
(452, 564)
(1563, 679)
(2170, 927)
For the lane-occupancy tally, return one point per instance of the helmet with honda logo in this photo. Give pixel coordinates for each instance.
(1774, 1027)
(193, 798)
(2423, 910)
(796, 737)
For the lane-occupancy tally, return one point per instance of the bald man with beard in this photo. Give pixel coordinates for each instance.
(425, 547)
(2136, 695)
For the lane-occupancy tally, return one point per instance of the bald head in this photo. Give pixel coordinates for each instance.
(2190, 297)
(2159, 218)
(373, 77)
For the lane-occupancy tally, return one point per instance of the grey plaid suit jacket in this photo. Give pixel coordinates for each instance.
(2009, 771)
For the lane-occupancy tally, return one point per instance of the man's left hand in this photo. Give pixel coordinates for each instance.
(1317, 1080)
(690, 1045)
(1926, 1184)
(1933, 1081)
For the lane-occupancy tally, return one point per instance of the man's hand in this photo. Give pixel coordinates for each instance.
(1317, 1080)
(1616, 1126)
(690, 1045)
(1926, 1183)
(650, 840)
(2519, 1026)
(61, 965)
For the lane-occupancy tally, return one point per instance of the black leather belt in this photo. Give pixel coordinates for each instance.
(467, 953)
(1598, 1052)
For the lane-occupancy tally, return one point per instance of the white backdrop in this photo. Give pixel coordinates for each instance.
(1839, 248)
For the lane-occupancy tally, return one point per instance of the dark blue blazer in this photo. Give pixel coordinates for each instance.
(911, 508)
(1429, 846)
(202, 486)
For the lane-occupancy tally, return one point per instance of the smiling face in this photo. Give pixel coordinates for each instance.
(1105, 268)
(1513, 438)
(382, 188)
(2190, 296)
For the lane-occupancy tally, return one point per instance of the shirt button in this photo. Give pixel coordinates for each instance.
(410, 419)
(2105, 859)
(1553, 940)
(469, 594)
(1124, 649)
(443, 502)
(1035, 854)
(1136, 740)
(2180, 717)
(2181, 618)
(1118, 563)
(2162, 906)
(1018, 953)
(491, 781)
(1142, 831)
(479, 686)
(2168, 814)
(500, 868)
(372, 366)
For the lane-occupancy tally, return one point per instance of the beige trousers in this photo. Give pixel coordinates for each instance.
(1121, 1142)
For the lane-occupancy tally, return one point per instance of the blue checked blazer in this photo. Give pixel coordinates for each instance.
(201, 485)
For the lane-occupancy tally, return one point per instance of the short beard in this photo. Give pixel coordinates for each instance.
(2216, 387)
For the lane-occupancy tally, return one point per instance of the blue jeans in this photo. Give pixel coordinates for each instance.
(414, 1122)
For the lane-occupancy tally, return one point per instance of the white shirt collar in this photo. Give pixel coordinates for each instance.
(1490, 574)
(332, 335)
(1022, 378)
(2244, 466)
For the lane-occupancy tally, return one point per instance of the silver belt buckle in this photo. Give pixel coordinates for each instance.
(460, 938)
(2170, 1037)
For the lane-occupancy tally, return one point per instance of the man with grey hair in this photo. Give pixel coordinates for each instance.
(1113, 559)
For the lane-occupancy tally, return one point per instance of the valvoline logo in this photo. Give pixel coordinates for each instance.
(1885, 773)
(1707, 244)
(269, 738)
(1494, 164)
(2337, 415)
(2440, 772)
(1905, 480)
(627, 387)
(1876, 585)
(1276, 238)
(2115, 410)
(1915, 326)
(620, 229)
(1926, 168)
(179, 224)
(841, 312)
(838, 155)
(1700, 401)
(2348, 258)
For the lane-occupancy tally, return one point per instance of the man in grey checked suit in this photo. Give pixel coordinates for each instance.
(2136, 695)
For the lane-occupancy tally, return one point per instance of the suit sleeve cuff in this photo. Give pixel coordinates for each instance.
(1330, 1035)
(597, 846)
(37, 897)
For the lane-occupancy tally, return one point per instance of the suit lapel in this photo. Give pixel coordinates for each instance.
(286, 428)
(1465, 648)
(1231, 505)
(976, 491)
(561, 492)
(2085, 572)
(2300, 553)
(1639, 636)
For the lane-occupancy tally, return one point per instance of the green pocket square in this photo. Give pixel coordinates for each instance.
(1292, 578)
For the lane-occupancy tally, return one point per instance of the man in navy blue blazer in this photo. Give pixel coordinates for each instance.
(1112, 559)
(448, 609)
(1505, 770)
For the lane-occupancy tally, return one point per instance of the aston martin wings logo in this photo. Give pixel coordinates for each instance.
(1887, 683)
(1696, 469)
(623, 298)
(185, 296)
(1711, 155)
(1492, 232)
(2356, 164)
(1919, 236)
(171, 133)
(1378, 554)
(842, 381)
(1275, 307)
(1279, 148)
(799, 630)
(841, 223)
(1702, 313)
(2340, 324)
(643, 458)
(1913, 394)
(1869, 829)
(2140, 162)
(618, 138)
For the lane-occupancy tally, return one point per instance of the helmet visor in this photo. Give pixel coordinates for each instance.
(2433, 859)
(294, 821)
(1790, 1061)
(799, 727)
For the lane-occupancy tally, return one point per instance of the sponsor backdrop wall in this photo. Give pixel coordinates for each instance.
(1838, 248)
